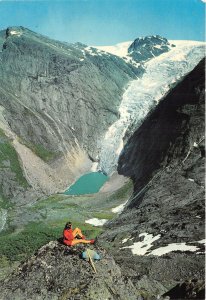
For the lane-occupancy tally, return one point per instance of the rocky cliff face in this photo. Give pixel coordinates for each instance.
(165, 159)
(143, 49)
(57, 100)
(53, 93)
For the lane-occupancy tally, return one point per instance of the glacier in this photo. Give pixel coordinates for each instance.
(144, 93)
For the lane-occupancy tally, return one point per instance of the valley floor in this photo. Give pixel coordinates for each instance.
(33, 225)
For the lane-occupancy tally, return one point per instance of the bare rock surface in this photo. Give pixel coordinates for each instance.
(58, 272)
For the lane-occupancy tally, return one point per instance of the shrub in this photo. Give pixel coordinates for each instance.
(8, 153)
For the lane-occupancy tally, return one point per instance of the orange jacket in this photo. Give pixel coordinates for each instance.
(68, 236)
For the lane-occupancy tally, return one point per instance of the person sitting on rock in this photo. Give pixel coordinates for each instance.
(72, 237)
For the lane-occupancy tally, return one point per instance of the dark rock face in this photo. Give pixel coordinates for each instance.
(56, 273)
(143, 49)
(191, 289)
(54, 93)
(165, 160)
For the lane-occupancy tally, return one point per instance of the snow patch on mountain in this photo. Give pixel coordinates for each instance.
(118, 209)
(120, 49)
(173, 247)
(96, 221)
(186, 43)
(14, 32)
(142, 247)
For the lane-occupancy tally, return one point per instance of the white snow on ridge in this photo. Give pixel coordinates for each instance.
(118, 209)
(142, 248)
(15, 32)
(127, 239)
(119, 49)
(92, 51)
(202, 241)
(144, 93)
(187, 42)
(96, 222)
(173, 247)
(94, 167)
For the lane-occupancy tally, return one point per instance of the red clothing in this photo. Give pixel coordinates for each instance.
(68, 236)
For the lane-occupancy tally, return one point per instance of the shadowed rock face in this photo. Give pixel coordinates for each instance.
(165, 159)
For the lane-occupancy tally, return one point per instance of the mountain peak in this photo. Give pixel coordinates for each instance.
(148, 40)
(14, 31)
(144, 48)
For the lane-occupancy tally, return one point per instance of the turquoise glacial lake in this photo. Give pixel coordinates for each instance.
(87, 184)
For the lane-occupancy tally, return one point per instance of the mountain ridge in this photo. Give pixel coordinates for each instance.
(121, 48)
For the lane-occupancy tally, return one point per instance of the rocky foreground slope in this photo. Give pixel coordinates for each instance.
(57, 273)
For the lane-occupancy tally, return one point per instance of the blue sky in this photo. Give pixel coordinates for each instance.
(106, 22)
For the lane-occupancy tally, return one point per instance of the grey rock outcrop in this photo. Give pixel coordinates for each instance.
(165, 159)
(56, 273)
(145, 48)
(59, 95)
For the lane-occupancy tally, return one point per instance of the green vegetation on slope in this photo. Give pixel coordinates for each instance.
(104, 215)
(123, 193)
(9, 159)
(45, 154)
(19, 245)
(4, 202)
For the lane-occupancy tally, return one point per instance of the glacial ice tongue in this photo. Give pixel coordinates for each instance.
(144, 93)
